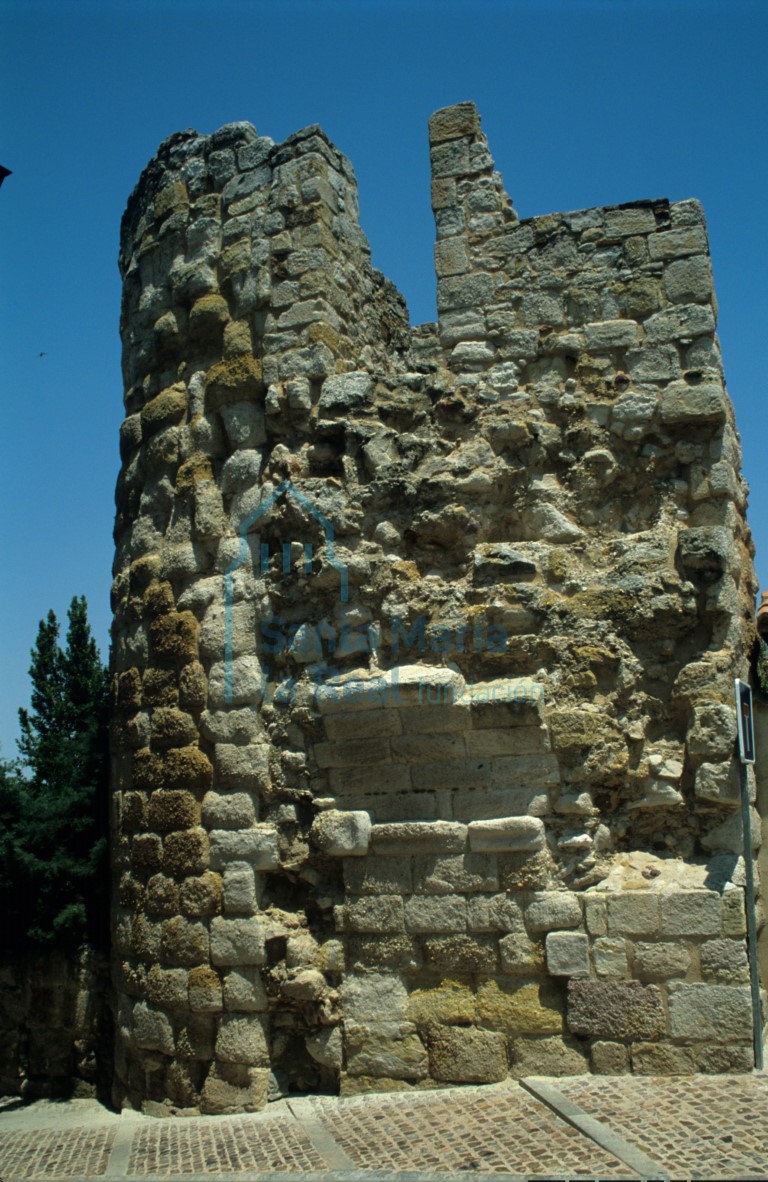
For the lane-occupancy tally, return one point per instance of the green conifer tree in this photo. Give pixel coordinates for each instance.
(60, 837)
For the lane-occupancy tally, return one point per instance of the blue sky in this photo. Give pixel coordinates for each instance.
(585, 102)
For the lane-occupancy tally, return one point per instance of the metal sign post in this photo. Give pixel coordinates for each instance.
(746, 732)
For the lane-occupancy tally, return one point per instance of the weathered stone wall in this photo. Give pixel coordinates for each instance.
(424, 638)
(56, 1036)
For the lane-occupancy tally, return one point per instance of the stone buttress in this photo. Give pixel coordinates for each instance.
(424, 639)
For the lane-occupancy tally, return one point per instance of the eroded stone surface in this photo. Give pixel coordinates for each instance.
(425, 636)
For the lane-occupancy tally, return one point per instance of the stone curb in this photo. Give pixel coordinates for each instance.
(637, 1161)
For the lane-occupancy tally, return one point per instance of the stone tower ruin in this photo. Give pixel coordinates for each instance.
(424, 639)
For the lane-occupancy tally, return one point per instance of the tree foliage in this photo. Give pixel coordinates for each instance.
(53, 801)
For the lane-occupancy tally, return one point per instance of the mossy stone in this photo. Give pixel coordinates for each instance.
(174, 637)
(187, 768)
(173, 809)
(158, 599)
(450, 1002)
(186, 853)
(192, 472)
(128, 691)
(193, 686)
(162, 896)
(236, 379)
(172, 728)
(146, 853)
(160, 688)
(532, 1008)
(201, 896)
(166, 409)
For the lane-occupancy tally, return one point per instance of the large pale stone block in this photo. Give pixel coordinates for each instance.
(520, 1007)
(688, 280)
(152, 1030)
(690, 913)
(363, 724)
(390, 1050)
(552, 910)
(415, 837)
(445, 913)
(710, 1013)
(568, 954)
(246, 1092)
(378, 876)
(345, 392)
(257, 845)
(682, 403)
(444, 874)
(241, 890)
(237, 941)
(610, 957)
(547, 1056)
(242, 767)
(373, 996)
(633, 913)
(233, 810)
(659, 962)
(342, 834)
(381, 914)
(244, 990)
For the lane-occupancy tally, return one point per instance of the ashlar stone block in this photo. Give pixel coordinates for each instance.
(520, 1007)
(373, 996)
(257, 846)
(381, 914)
(633, 913)
(520, 956)
(610, 957)
(507, 835)
(436, 874)
(378, 876)
(710, 1013)
(418, 837)
(613, 1010)
(444, 913)
(568, 954)
(690, 913)
(152, 1030)
(552, 910)
(659, 962)
(389, 1050)
(232, 810)
(342, 834)
(241, 889)
(242, 1040)
(244, 990)
(237, 941)
(467, 1055)
(610, 1058)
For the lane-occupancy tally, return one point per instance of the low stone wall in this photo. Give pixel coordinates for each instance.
(465, 966)
(56, 1033)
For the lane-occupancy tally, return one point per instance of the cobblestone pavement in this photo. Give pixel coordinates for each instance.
(613, 1128)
